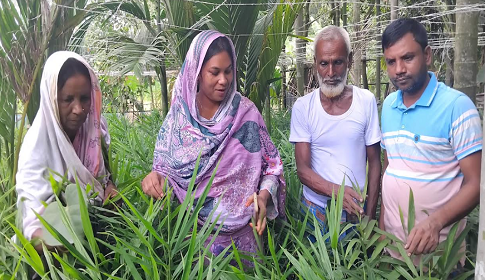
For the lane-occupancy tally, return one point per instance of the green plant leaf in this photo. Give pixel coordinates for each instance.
(377, 251)
(407, 259)
(28, 251)
(73, 210)
(411, 211)
(401, 217)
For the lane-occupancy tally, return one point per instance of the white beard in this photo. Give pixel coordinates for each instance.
(332, 91)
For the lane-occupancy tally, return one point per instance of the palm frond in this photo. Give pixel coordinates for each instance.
(277, 30)
(130, 55)
(7, 121)
(183, 25)
(237, 21)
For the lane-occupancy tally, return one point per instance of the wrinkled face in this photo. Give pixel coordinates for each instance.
(216, 76)
(332, 63)
(74, 101)
(407, 64)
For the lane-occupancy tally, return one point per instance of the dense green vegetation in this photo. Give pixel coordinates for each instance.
(146, 239)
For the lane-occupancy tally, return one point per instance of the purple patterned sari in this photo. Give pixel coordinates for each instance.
(237, 136)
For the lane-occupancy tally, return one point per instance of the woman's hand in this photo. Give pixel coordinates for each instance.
(260, 209)
(152, 185)
(110, 192)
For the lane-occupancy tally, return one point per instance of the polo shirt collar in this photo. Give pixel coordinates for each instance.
(425, 99)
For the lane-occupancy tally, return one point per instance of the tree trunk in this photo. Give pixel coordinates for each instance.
(344, 14)
(267, 109)
(386, 91)
(466, 47)
(306, 20)
(394, 6)
(449, 68)
(332, 11)
(152, 105)
(283, 83)
(142, 99)
(482, 62)
(337, 13)
(323, 20)
(334, 6)
(451, 17)
(162, 76)
(123, 101)
(449, 53)
(357, 50)
(300, 56)
(365, 81)
(283, 87)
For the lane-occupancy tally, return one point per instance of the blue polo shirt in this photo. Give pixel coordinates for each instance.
(424, 144)
(444, 120)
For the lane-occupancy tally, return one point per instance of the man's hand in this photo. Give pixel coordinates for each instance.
(318, 184)
(351, 198)
(260, 210)
(424, 237)
(152, 185)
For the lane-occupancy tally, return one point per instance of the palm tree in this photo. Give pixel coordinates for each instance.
(29, 31)
(258, 30)
(276, 25)
(151, 46)
(466, 49)
(7, 123)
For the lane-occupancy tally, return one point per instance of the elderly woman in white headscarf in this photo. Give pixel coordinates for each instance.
(65, 137)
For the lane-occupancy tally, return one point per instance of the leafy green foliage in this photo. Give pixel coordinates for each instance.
(72, 209)
(148, 239)
(7, 128)
(29, 30)
(122, 95)
(238, 21)
(265, 51)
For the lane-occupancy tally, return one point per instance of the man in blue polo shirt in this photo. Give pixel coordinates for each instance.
(432, 138)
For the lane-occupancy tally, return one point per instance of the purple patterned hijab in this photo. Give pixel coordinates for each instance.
(237, 136)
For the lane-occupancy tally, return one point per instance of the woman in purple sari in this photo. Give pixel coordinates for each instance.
(209, 116)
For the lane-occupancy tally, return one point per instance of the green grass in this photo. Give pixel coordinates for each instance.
(147, 239)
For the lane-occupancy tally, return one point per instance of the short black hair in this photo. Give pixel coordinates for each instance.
(217, 46)
(399, 28)
(70, 68)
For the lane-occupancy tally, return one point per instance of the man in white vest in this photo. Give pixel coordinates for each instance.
(336, 132)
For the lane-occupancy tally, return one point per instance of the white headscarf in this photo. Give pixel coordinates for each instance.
(47, 147)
